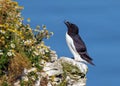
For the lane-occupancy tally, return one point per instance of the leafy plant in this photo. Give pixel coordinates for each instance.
(20, 45)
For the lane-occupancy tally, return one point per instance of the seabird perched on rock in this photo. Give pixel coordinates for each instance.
(76, 44)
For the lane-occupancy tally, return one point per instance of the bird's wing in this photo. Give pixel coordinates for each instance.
(81, 48)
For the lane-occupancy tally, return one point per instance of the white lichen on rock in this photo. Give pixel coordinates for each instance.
(54, 68)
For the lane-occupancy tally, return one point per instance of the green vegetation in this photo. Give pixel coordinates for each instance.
(20, 45)
(23, 53)
(72, 71)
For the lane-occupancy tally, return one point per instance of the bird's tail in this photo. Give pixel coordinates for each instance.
(87, 58)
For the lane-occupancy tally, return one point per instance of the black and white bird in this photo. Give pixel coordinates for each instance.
(76, 44)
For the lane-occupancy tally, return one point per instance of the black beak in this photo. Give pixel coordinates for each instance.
(67, 23)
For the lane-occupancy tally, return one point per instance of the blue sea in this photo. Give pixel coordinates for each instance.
(99, 27)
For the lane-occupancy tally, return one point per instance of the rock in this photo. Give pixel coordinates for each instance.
(68, 70)
(75, 71)
(81, 66)
(60, 72)
(80, 82)
(53, 55)
(54, 68)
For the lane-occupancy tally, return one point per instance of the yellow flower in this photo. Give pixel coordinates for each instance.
(1, 25)
(38, 46)
(6, 25)
(15, 3)
(18, 33)
(6, 46)
(2, 42)
(52, 78)
(22, 37)
(2, 38)
(46, 50)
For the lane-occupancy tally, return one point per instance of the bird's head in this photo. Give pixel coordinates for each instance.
(72, 28)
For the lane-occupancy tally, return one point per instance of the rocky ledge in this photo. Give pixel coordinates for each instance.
(59, 72)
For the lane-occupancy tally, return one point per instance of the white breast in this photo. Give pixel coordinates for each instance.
(72, 48)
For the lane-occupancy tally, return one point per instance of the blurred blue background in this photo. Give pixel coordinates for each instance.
(99, 23)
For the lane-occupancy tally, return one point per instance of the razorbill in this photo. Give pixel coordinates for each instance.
(76, 44)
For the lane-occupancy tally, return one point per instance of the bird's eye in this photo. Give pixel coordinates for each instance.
(72, 25)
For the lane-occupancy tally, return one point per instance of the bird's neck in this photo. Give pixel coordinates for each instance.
(71, 34)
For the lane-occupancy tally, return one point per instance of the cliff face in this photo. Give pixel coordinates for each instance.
(61, 72)
(25, 60)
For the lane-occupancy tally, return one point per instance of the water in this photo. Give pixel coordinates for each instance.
(99, 22)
